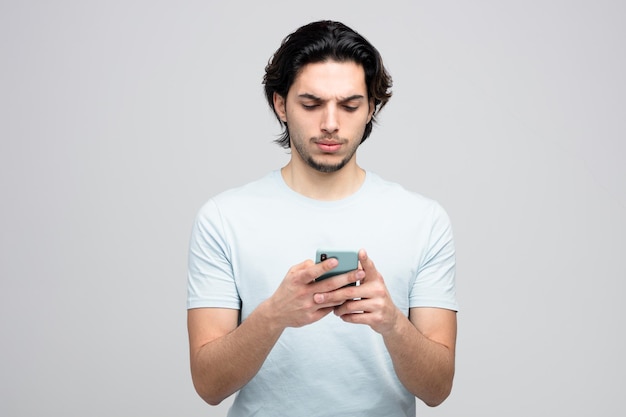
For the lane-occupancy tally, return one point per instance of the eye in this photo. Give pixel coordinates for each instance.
(310, 106)
(351, 108)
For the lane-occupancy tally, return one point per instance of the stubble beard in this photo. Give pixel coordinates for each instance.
(320, 166)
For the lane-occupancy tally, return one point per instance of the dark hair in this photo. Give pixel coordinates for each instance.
(319, 42)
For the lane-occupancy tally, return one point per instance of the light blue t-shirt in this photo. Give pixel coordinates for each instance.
(245, 240)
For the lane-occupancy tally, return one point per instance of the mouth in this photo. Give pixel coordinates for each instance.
(328, 145)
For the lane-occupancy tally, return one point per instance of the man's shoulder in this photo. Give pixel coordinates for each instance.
(259, 187)
(397, 193)
(244, 196)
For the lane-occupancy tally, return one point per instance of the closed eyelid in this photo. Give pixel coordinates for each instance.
(310, 105)
(310, 101)
(350, 103)
(353, 103)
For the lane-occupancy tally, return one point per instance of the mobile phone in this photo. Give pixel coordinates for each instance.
(348, 261)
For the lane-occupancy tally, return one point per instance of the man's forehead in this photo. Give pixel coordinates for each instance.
(330, 80)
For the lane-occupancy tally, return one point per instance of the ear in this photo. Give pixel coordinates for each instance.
(371, 110)
(279, 107)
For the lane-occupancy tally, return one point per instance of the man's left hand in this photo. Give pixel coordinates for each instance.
(368, 303)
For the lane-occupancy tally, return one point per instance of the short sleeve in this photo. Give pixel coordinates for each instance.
(211, 280)
(436, 274)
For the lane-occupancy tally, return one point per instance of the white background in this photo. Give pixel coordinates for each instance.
(118, 119)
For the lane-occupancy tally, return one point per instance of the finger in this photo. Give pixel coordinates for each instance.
(360, 305)
(380, 320)
(336, 290)
(338, 281)
(371, 273)
(358, 318)
(313, 270)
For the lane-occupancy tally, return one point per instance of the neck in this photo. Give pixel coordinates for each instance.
(321, 185)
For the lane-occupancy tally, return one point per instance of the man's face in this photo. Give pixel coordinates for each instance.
(326, 110)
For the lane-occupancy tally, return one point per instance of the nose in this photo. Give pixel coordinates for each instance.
(330, 122)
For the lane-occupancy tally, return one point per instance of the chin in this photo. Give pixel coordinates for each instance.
(326, 168)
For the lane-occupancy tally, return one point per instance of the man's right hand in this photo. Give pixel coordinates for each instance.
(292, 304)
(226, 354)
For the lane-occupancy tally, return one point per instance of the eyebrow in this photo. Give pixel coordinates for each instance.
(342, 100)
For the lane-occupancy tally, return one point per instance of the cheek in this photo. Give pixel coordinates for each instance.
(304, 122)
(358, 124)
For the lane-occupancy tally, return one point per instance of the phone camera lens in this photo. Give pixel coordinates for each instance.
(323, 256)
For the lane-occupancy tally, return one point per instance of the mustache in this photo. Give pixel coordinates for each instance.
(334, 138)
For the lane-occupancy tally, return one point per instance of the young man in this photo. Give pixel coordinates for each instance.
(258, 321)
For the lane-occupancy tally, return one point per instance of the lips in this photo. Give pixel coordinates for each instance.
(328, 146)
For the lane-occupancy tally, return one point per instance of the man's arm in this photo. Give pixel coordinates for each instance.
(224, 356)
(422, 350)
(421, 346)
